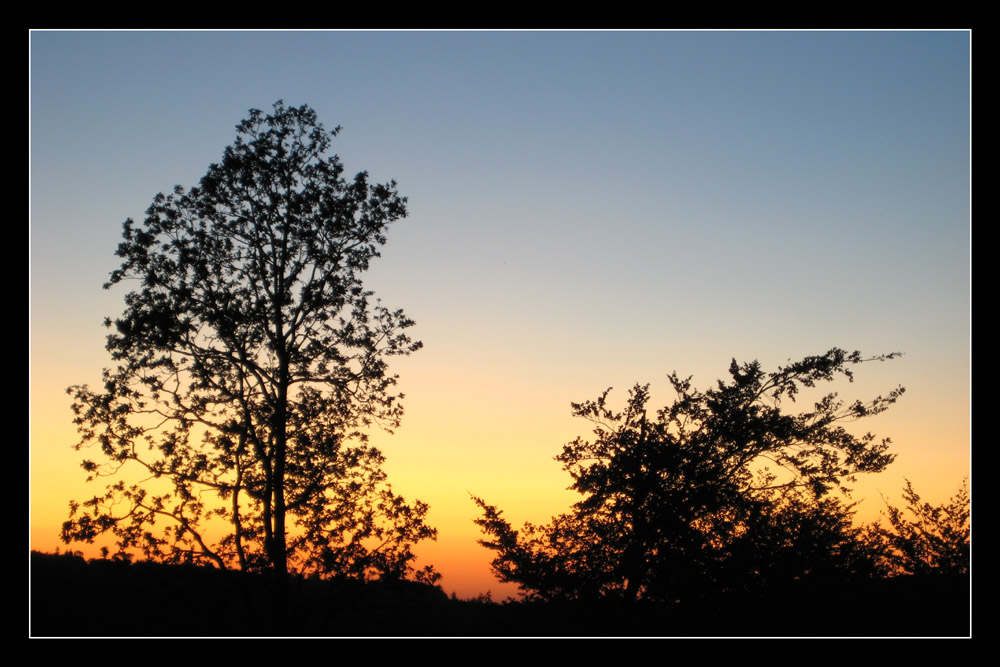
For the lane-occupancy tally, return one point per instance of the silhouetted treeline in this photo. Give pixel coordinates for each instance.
(73, 597)
(725, 495)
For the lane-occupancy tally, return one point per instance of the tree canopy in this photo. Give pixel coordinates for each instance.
(706, 494)
(250, 362)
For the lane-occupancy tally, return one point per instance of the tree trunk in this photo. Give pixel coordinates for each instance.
(279, 558)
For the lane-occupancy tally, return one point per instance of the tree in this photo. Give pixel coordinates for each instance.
(250, 363)
(935, 541)
(675, 502)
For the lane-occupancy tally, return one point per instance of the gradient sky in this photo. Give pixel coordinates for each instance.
(587, 209)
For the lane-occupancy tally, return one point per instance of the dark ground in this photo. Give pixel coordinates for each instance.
(73, 598)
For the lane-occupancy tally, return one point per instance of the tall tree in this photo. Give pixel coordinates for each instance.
(250, 362)
(671, 502)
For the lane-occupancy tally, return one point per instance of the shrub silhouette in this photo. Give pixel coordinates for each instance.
(936, 540)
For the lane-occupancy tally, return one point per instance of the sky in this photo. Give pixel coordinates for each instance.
(586, 210)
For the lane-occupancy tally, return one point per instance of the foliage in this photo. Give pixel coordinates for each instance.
(935, 541)
(793, 536)
(250, 363)
(698, 495)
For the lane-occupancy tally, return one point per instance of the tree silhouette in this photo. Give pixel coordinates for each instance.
(936, 540)
(250, 362)
(695, 496)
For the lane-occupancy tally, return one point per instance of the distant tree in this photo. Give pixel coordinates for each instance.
(250, 362)
(924, 538)
(673, 503)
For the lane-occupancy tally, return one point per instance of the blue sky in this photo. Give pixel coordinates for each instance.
(587, 209)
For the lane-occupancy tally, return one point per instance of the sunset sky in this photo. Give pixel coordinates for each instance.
(587, 210)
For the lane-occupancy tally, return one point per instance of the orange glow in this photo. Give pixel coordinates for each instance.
(497, 441)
